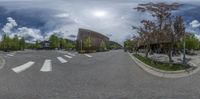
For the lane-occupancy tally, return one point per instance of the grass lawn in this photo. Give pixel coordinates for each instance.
(161, 65)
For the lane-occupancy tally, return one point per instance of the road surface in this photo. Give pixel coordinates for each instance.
(105, 75)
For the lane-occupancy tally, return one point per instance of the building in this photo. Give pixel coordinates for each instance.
(96, 39)
(114, 45)
(45, 44)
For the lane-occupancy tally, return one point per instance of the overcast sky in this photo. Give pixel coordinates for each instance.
(37, 19)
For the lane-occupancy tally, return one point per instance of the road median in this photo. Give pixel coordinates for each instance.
(163, 73)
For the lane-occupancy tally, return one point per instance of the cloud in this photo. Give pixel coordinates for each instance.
(72, 36)
(62, 15)
(30, 34)
(197, 36)
(9, 25)
(195, 24)
(69, 16)
(44, 17)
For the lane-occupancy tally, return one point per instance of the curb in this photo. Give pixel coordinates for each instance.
(162, 73)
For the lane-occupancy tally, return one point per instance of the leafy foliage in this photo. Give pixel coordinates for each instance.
(191, 42)
(103, 46)
(54, 41)
(87, 43)
(61, 43)
(9, 44)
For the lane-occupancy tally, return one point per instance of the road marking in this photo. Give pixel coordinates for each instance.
(23, 67)
(88, 55)
(10, 54)
(62, 60)
(46, 66)
(67, 56)
(70, 54)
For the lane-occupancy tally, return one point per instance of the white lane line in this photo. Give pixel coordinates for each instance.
(46, 66)
(70, 54)
(88, 55)
(23, 67)
(10, 54)
(67, 56)
(62, 60)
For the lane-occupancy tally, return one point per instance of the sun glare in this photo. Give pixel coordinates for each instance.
(99, 13)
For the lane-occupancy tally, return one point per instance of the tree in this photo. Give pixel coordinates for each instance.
(87, 43)
(70, 45)
(146, 33)
(22, 43)
(103, 46)
(15, 43)
(168, 30)
(173, 31)
(54, 41)
(191, 42)
(37, 45)
(114, 46)
(6, 43)
(161, 11)
(62, 43)
(128, 45)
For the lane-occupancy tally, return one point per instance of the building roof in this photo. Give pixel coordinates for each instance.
(87, 31)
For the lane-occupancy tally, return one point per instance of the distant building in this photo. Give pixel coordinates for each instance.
(45, 44)
(115, 45)
(96, 39)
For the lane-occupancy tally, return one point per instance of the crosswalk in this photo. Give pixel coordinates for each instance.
(62, 60)
(88, 55)
(68, 56)
(10, 55)
(23, 67)
(47, 64)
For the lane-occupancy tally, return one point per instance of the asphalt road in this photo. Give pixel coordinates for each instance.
(106, 75)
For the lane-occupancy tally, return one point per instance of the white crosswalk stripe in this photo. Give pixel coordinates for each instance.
(62, 60)
(46, 66)
(88, 55)
(70, 54)
(10, 55)
(67, 56)
(23, 67)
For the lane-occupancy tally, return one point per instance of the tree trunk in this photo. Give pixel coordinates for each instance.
(136, 51)
(147, 52)
(170, 57)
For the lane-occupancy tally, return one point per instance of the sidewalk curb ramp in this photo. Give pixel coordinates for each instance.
(162, 73)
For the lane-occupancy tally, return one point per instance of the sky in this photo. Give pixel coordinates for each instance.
(38, 19)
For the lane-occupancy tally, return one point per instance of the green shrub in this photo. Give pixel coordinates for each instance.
(161, 65)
